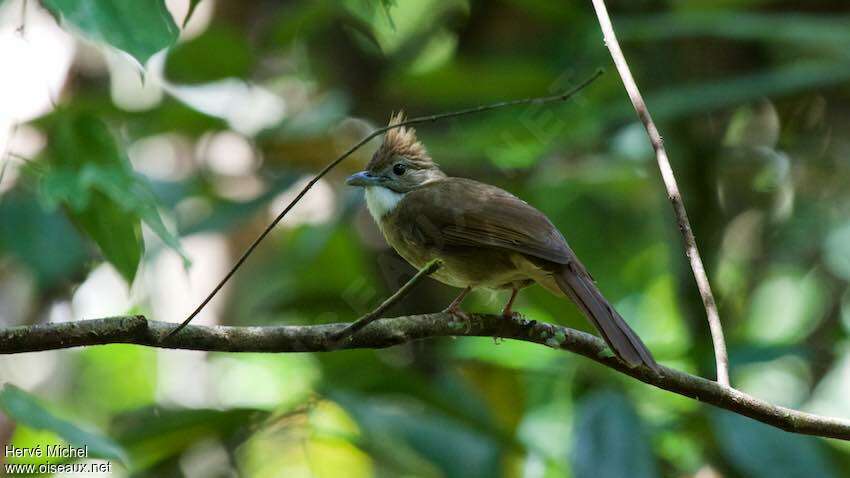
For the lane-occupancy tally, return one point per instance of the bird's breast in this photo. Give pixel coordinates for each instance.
(381, 201)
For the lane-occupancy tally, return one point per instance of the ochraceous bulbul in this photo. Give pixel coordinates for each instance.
(484, 236)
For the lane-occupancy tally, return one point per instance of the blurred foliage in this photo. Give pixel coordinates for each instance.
(184, 154)
(141, 28)
(90, 175)
(757, 450)
(612, 439)
(25, 410)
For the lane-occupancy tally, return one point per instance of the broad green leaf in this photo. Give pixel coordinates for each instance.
(757, 450)
(139, 27)
(45, 242)
(610, 440)
(24, 409)
(91, 177)
(118, 236)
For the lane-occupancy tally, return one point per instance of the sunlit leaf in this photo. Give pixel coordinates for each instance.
(139, 27)
(439, 50)
(25, 410)
(785, 306)
(509, 353)
(396, 25)
(114, 378)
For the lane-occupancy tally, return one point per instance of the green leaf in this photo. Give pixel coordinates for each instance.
(139, 27)
(24, 409)
(610, 439)
(760, 451)
(118, 236)
(46, 242)
(91, 177)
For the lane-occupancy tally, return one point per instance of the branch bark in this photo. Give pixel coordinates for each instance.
(720, 355)
(376, 314)
(393, 331)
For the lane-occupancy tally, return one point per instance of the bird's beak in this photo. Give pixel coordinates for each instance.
(363, 178)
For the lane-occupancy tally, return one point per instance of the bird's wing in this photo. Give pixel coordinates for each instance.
(458, 212)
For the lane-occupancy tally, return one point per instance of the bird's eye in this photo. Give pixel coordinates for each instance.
(399, 169)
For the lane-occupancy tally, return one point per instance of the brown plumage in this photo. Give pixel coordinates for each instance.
(485, 236)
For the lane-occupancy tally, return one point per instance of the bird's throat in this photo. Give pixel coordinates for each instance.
(381, 201)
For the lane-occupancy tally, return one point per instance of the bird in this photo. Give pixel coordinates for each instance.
(484, 236)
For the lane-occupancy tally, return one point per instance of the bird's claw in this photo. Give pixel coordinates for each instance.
(513, 315)
(456, 313)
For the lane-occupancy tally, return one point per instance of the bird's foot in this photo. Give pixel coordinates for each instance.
(512, 315)
(456, 313)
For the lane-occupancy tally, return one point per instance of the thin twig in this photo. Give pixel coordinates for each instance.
(393, 331)
(673, 194)
(358, 324)
(422, 119)
(21, 30)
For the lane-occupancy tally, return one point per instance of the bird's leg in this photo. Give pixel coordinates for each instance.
(506, 312)
(454, 307)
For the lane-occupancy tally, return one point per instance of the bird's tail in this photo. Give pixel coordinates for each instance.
(577, 284)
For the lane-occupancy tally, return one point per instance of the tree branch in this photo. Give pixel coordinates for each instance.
(389, 332)
(720, 355)
(376, 314)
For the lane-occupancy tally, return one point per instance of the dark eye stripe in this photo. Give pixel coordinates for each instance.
(399, 169)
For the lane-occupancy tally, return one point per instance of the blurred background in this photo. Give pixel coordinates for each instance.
(188, 158)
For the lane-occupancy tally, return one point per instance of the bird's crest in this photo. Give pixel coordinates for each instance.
(400, 141)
